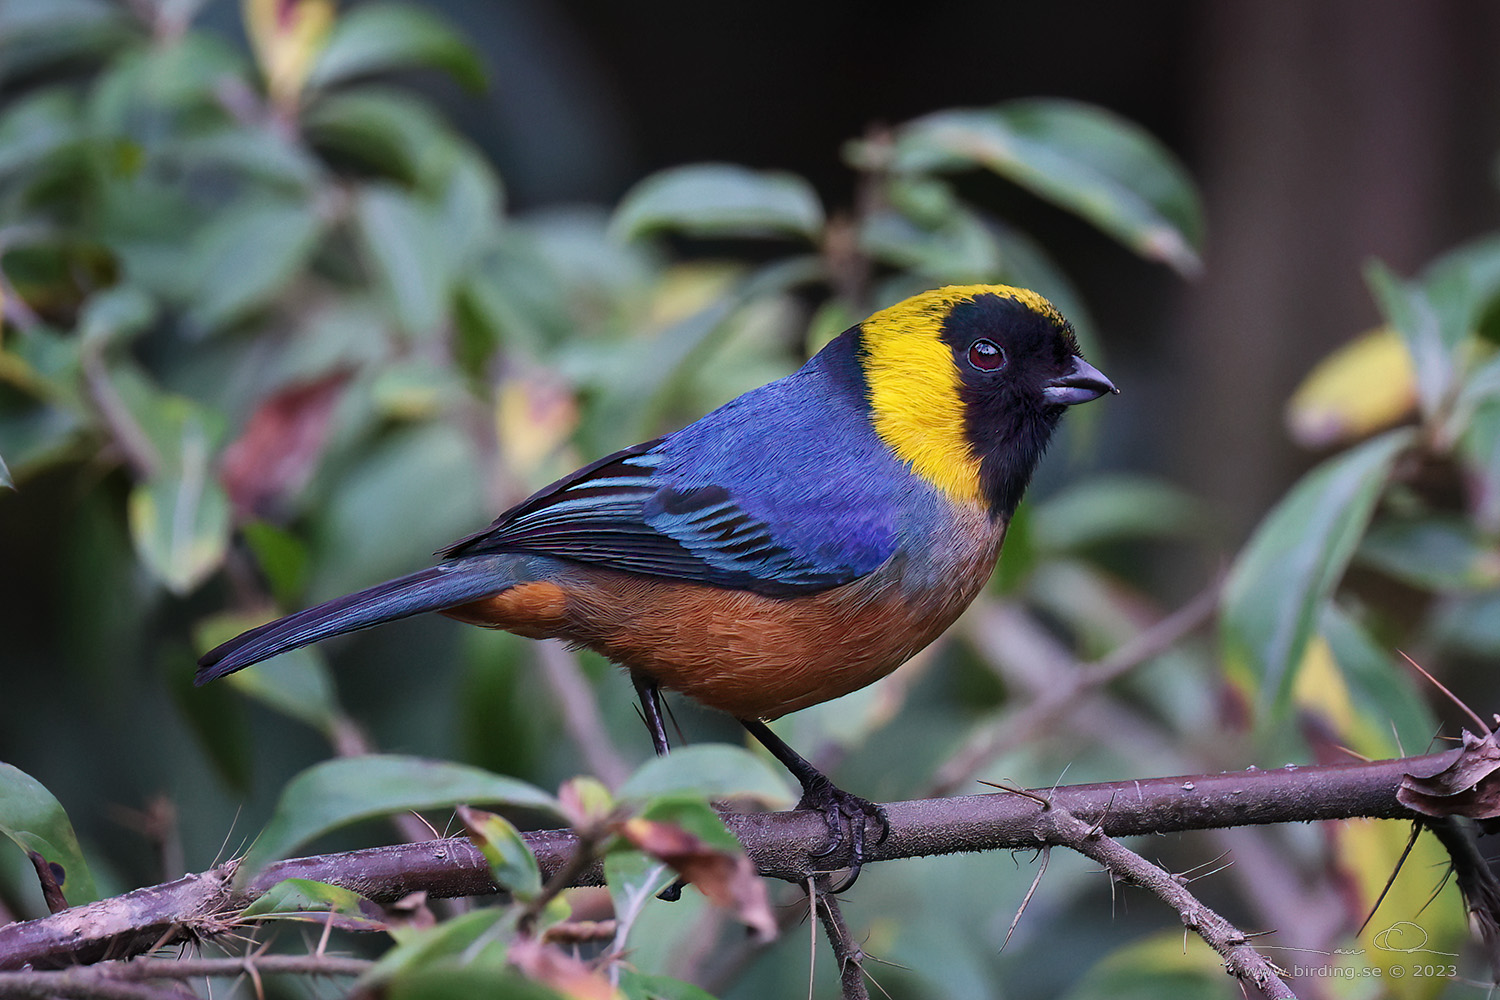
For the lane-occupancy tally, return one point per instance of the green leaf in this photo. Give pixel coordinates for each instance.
(1470, 623)
(247, 255)
(959, 250)
(1087, 160)
(30, 816)
(36, 128)
(407, 254)
(1156, 966)
(1462, 286)
(1386, 694)
(639, 986)
(478, 938)
(693, 814)
(689, 344)
(720, 199)
(281, 556)
(249, 152)
(34, 35)
(338, 792)
(634, 878)
(180, 525)
(451, 984)
(179, 517)
(296, 683)
(1433, 553)
(1408, 309)
(115, 314)
(511, 861)
(387, 132)
(376, 37)
(712, 770)
(1479, 452)
(299, 896)
(1107, 508)
(389, 494)
(1287, 571)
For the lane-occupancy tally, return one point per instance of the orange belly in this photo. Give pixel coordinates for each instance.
(752, 656)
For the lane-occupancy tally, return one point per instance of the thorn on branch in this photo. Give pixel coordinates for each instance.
(1241, 960)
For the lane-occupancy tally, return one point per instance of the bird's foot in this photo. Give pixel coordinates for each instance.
(848, 816)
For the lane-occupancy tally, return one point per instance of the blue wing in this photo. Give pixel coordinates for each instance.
(784, 491)
(618, 513)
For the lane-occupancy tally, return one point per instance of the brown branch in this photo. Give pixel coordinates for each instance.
(780, 844)
(1243, 962)
(130, 980)
(846, 951)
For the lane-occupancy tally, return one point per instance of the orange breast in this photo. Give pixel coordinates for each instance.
(753, 656)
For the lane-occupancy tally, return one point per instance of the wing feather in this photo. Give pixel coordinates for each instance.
(619, 513)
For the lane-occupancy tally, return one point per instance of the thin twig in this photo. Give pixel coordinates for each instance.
(846, 951)
(1242, 961)
(1026, 723)
(565, 876)
(131, 980)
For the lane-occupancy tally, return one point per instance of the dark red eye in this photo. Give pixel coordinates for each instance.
(986, 355)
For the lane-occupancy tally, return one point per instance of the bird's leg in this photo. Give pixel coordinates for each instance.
(650, 694)
(837, 805)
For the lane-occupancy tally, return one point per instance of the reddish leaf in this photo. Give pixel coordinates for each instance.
(727, 878)
(551, 966)
(279, 448)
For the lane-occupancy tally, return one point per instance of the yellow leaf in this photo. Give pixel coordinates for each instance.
(1320, 687)
(287, 37)
(689, 288)
(1411, 945)
(534, 417)
(1364, 386)
(1322, 691)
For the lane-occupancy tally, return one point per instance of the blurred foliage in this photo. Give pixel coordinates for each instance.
(270, 334)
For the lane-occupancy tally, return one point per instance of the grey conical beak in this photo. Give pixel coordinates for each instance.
(1081, 384)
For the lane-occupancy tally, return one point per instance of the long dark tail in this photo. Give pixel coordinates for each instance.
(442, 586)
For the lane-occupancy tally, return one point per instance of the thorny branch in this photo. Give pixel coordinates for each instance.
(780, 844)
(1241, 960)
(846, 951)
(131, 981)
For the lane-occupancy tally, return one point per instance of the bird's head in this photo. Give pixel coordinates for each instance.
(966, 384)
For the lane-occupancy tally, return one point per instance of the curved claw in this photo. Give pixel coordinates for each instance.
(837, 806)
(840, 808)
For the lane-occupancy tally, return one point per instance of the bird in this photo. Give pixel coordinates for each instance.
(795, 544)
